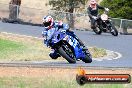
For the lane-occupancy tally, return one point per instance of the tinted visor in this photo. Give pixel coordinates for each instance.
(46, 24)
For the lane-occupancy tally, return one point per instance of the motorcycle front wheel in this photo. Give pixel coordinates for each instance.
(113, 31)
(66, 52)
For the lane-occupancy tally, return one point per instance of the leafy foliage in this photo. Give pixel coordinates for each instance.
(119, 8)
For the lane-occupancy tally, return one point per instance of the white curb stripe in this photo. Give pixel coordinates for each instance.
(119, 55)
(20, 35)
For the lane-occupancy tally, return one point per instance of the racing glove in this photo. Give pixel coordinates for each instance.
(106, 9)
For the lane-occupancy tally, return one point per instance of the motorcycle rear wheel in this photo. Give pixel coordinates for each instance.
(88, 57)
(97, 29)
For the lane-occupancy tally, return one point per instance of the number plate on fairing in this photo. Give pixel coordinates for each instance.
(72, 41)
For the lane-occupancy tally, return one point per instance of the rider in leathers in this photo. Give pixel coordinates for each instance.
(93, 12)
(50, 27)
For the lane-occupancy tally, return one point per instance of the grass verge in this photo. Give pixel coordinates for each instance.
(48, 82)
(22, 48)
(22, 77)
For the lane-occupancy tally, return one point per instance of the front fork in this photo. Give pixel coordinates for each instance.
(109, 25)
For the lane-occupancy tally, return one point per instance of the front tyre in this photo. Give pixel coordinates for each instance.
(114, 31)
(68, 55)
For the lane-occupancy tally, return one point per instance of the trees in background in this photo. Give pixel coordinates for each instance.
(14, 6)
(119, 8)
(67, 6)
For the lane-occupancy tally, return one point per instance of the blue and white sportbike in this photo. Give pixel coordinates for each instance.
(69, 47)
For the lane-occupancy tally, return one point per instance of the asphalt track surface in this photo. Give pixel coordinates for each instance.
(121, 44)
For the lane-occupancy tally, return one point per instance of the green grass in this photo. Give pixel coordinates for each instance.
(15, 48)
(19, 48)
(7, 48)
(49, 82)
(97, 52)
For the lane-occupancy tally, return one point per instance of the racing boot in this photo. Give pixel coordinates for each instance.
(53, 54)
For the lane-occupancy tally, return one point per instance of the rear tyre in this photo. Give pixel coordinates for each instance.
(97, 29)
(69, 56)
(88, 57)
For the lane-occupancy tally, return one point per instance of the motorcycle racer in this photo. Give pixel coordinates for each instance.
(50, 27)
(93, 12)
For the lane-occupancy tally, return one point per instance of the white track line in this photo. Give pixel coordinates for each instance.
(21, 35)
(119, 55)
